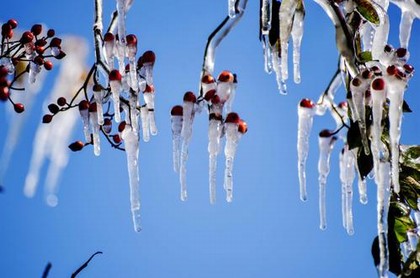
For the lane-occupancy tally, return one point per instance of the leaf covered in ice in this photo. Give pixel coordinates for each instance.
(368, 11)
(401, 226)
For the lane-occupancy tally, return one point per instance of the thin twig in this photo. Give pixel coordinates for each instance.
(46, 270)
(83, 266)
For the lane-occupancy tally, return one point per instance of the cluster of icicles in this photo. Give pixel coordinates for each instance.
(380, 85)
(290, 18)
(218, 98)
(125, 85)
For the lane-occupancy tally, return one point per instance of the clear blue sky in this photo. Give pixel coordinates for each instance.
(266, 232)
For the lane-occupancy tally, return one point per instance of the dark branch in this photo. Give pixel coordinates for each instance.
(83, 266)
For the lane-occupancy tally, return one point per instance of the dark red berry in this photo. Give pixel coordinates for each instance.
(6, 30)
(190, 97)
(356, 82)
(131, 40)
(61, 101)
(207, 79)
(48, 65)
(4, 93)
(242, 127)
(83, 105)
(378, 84)
(47, 118)
(41, 42)
(107, 126)
(50, 33)
(408, 68)
(215, 99)
(116, 138)
(388, 48)
(3, 71)
(39, 50)
(93, 107)
(391, 70)
(232, 117)
(13, 23)
(325, 133)
(76, 146)
(401, 52)
(149, 89)
(19, 108)
(55, 42)
(39, 60)
(366, 74)
(121, 126)
(109, 37)
(53, 108)
(225, 76)
(176, 110)
(306, 103)
(209, 95)
(115, 75)
(343, 105)
(26, 37)
(36, 29)
(148, 57)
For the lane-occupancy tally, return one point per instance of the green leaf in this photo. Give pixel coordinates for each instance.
(408, 191)
(368, 11)
(365, 56)
(401, 226)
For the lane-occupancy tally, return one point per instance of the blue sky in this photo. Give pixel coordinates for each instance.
(266, 232)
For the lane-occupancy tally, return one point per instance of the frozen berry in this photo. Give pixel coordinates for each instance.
(176, 110)
(378, 84)
(306, 103)
(19, 108)
(115, 75)
(225, 76)
(76, 146)
(190, 97)
(232, 117)
(47, 118)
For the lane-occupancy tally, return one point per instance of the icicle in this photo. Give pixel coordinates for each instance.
(176, 124)
(366, 33)
(266, 16)
(349, 178)
(109, 49)
(214, 133)
(131, 143)
(412, 239)
(234, 128)
(121, 43)
(146, 64)
(305, 115)
(406, 23)
(93, 118)
(232, 8)
(297, 34)
(98, 96)
(281, 84)
(144, 114)
(268, 55)
(358, 88)
(84, 113)
(343, 173)
(286, 14)
(395, 94)
(381, 32)
(186, 133)
(131, 54)
(116, 87)
(326, 143)
(378, 99)
(149, 98)
(382, 211)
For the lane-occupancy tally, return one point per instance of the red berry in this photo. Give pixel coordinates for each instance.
(325, 133)
(13, 23)
(3, 71)
(131, 40)
(109, 37)
(376, 70)
(19, 108)
(116, 138)
(47, 118)
(36, 29)
(26, 37)
(214, 116)
(356, 82)
(190, 97)
(242, 127)
(50, 33)
(209, 95)
(391, 70)
(6, 30)
(107, 126)
(55, 42)
(401, 52)
(121, 126)
(76, 146)
(53, 108)
(97, 88)
(176, 110)
(93, 107)
(149, 89)
(115, 75)
(378, 84)
(366, 74)
(215, 99)
(388, 48)
(207, 79)
(48, 65)
(225, 76)
(39, 60)
(306, 103)
(408, 68)
(4, 93)
(83, 105)
(61, 101)
(41, 42)
(232, 117)
(39, 49)
(148, 57)
(343, 105)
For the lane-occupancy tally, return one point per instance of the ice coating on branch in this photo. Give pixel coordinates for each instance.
(297, 34)
(176, 126)
(84, 114)
(214, 134)
(146, 63)
(109, 49)
(231, 8)
(98, 96)
(326, 143)
(286, 14)
(395, 94)
(121, 43)
(149, 98)
(358, 87)
(410, 10)
(305, 120)
(347, 175)
(383, 195)
(268, 55)
(380, 37)
(378, 96)
(131, 143)
(144, 114)
(93, 118)
(233, 134)
(116, 88)
(188, 112)
(131, 52)
(266, 16)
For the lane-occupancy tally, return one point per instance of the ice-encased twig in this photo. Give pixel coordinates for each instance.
(93, 118)
(266, 16)
(232, 138)
(382, 216)
(286, 15)
(268, 55)
(231, 8)
(297, 34)
(149, 98)
(347, 175)
(358, 87)
(98, 96)
(305, 120)
(406, 23)
(380, 37)
(326, 143)
(84, 114)
(281, 83)
(131, 143)
(214, 133)
(115, 96)
(176, 126)
(144, 114)
(217, 36)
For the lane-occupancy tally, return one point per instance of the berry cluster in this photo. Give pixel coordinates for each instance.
(32, 51)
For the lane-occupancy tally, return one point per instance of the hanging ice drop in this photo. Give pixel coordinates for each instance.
(214, 134)
(84, 113)
(176, 126)
(116, 87)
